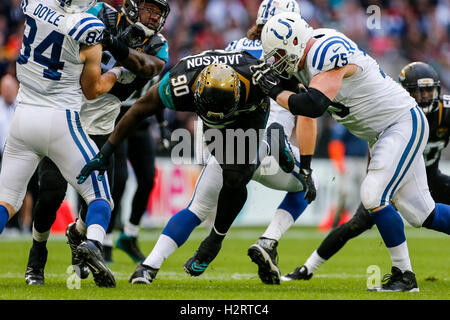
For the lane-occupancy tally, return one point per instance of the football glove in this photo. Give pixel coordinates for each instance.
(99, 162)
(132, 36)
(264, 77)
(308, 184)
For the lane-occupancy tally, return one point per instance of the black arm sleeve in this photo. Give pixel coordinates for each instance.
(309, 104)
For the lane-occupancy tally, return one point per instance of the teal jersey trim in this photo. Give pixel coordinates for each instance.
(164, 92)
(95, 10)
(163, 53)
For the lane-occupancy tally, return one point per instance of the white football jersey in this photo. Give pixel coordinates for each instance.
(277, 112)
(49, 65)
(367, 102)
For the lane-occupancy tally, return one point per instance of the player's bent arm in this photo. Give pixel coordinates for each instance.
(142, 64)
(322, 89)
(93, 83)
(147, 105)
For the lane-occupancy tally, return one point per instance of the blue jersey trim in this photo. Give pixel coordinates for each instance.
(95, 24)
(74, 29)
(334, 37)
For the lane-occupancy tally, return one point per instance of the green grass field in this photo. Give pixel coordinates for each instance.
(232, 276)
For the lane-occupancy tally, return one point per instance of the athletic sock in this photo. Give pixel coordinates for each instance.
(392, 230)
(131, 230)
(400, 257)
(97, 220)
(287, 213)
(314, 262)
(40, 236)
(164, 247)
(180, 226)
(80, 226)
(4, 217)
(108, 241)
(441, 219)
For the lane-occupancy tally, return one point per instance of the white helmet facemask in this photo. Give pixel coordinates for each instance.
(284, 39)
(76, 6)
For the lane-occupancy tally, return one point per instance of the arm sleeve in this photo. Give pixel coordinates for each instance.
(312, 103)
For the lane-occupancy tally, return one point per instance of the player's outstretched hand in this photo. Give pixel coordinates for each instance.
(265, 78)
(132, 36)
(99, 163)
(308, 183)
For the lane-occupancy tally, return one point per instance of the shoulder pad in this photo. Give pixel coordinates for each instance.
(85, 28)
(157, 45)
(329, 52)
(109, 16)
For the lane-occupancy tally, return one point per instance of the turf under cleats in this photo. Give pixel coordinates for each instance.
(89, 252)
(285, 159)
(37, 259)
(398, 281)
(143, 274)
(264, 254)
(129, 245)
(201, 259)
(74, 239)
(300, 273)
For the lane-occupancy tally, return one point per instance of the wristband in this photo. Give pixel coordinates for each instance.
(107, 149)
(116, 71)
(274, 92)
(305, 162)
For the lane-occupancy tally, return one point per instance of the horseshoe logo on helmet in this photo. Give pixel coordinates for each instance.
(289, 34)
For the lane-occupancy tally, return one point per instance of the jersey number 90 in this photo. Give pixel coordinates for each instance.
(54, 40)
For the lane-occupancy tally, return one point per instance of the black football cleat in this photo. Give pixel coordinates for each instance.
(89, 252)
(130, 246)
(107, 254)
(37, 259)
(285, 157)
(300, 273)
(264, 254)
(143, 274)
(201, 259)
(398, 281)
(74, 239)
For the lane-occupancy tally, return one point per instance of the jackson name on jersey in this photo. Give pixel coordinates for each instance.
(49, 65)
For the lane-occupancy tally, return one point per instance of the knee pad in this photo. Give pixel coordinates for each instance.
(370, 192)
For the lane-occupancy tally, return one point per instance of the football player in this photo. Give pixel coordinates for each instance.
(345, 81)
(136, 44)
(204, 201)
(59, 62)
(422, 82)
(217, 86)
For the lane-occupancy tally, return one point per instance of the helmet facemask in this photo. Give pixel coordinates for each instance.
(76, 6)
(426, 93)
(149, 14)
(217, 94)
(283, 64)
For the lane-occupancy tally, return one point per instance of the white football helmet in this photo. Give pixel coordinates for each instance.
(284, 39)
(76, 6)
(269, 8)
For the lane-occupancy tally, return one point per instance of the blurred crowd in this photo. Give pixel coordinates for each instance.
(394, 32)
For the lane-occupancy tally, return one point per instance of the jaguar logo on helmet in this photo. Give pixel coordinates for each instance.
(142, 13)
(217, 93)
(76, 6)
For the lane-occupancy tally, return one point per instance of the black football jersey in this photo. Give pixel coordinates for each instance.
(439, 123)
(177, 87)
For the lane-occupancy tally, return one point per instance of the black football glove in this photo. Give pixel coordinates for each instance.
(132, 36)
(308, 183)
(264, 77)
(164, 133)
(108, 38)
(99, 162)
